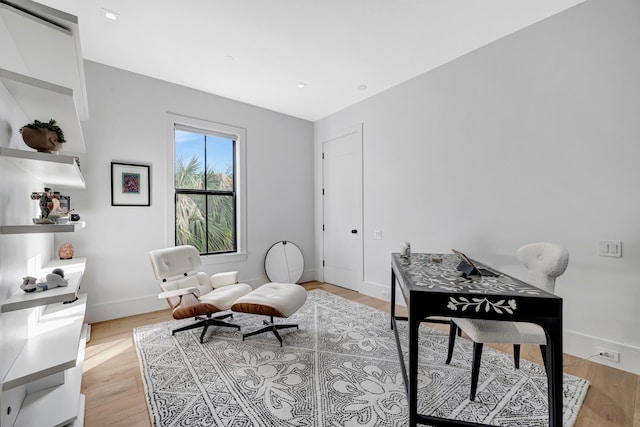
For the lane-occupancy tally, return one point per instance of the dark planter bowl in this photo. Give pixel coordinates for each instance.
(41, 139)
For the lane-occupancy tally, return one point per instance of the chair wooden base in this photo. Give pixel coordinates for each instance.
(273, 327)
(205, 322)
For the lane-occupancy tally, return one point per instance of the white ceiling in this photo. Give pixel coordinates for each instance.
(257, 51)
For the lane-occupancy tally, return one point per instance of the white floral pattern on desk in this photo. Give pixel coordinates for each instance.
(444, 276)
(477, 304)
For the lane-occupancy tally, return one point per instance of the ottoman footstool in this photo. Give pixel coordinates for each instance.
(273, 300)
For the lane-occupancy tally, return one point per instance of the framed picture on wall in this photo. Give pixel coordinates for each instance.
(130, 184)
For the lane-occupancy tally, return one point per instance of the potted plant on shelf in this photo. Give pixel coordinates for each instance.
(45, 137)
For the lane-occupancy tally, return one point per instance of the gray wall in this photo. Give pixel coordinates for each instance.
(535, 137)
(129, 123)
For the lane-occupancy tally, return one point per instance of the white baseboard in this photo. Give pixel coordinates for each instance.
(382, 292)
(116, 309)
(586, 347)
(308, 276)
(575, 343)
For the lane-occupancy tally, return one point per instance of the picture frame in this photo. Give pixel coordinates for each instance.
(130, 184)
(65, 203)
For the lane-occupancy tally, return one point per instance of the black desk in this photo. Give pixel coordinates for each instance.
(437, 289)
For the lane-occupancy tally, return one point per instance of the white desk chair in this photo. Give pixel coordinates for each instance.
(545, 262)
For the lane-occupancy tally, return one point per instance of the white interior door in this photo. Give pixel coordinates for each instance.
(342, 209)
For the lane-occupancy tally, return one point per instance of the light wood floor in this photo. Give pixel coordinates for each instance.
(115, 393)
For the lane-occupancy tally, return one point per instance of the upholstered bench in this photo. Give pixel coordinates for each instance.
(273, 300)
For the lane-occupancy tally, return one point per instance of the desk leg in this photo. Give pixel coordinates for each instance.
(554, 371)
(414, 332)
(393, 296)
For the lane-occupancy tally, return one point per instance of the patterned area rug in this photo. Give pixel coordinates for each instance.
(340, 368)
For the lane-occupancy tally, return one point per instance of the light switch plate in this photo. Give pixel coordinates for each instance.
(610, 248)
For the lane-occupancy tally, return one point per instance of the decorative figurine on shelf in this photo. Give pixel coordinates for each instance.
(65, 251)
(50, 209)
(46, 137)
(28, 284)
(52, 280)
(55, 208)
(45, 204)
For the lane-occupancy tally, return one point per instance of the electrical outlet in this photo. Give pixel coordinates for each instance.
(385, 294)
(610, 355)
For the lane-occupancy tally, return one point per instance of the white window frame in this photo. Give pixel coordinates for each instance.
(239, 134)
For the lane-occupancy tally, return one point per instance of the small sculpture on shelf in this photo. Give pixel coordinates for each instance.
(28, 284)
(45, 205)
(45, 137)
(52, 280)
(50, 210)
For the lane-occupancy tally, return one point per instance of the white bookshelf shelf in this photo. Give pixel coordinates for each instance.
(41, 228)
(54, 169)
(59, 405)
(73, 270)
(42, 100)
(44, 43)
(52, 347)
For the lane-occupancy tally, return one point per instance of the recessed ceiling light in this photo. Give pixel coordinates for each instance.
(110, 14)
(362, 87)
(302, 85)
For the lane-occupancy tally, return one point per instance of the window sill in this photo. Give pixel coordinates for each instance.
(223, 258)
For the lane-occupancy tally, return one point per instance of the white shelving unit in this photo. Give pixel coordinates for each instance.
(52, 347)
(44, 43)
(43, 101)
(41, 228)
(59, 405)
(52, 169)
(73, 270)
(41, 68)
(50, 363)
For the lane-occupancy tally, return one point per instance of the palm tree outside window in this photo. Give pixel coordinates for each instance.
(205, 190)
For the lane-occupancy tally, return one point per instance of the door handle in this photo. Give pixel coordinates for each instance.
(354, 231)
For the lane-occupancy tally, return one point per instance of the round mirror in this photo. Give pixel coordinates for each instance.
(284, 263)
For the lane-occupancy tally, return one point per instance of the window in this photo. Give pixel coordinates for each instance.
(207, 162)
